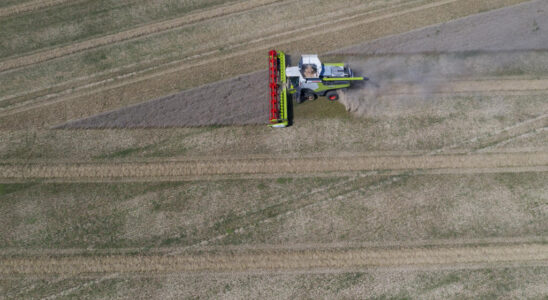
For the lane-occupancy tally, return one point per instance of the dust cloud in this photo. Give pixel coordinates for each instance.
(423, 75)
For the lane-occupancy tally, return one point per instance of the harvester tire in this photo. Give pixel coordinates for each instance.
(306, 96)
(309, 96)
(332, 96)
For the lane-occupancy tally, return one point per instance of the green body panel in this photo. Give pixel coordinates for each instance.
(335, 64)
(323, 87)
(342, 79)
(283, 95)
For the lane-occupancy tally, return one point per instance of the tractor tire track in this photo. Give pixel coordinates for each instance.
(251, 53)
(279, 260)
(532, 133)
(233, 167)
(149, 29)
(30, 6)
(479, 143)
(170, 250)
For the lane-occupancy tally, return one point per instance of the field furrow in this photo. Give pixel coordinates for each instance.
(279, 260)
(281, 166)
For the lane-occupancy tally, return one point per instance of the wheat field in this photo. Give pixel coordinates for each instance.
(430, 185)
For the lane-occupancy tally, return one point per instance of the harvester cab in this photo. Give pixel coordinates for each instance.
(307, 81)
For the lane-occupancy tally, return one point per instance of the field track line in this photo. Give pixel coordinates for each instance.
(216, 12)
(246, 176)
(485, 162)
(510, 139)
(481, 142)
(30, 6)
(71, 290)
(276, 260)
(167, 250)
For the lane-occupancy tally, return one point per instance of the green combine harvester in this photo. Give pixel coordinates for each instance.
(307, 81)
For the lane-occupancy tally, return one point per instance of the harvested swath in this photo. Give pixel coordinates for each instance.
(465, 163)
(238, 101)
(519, 27)
(280, 260)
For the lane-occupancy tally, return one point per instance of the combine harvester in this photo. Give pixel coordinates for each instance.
(308, 81)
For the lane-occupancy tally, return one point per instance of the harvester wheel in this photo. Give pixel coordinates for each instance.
(309, 96)
(332, 96)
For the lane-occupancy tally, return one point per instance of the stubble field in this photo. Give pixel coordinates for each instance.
(429, 184)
